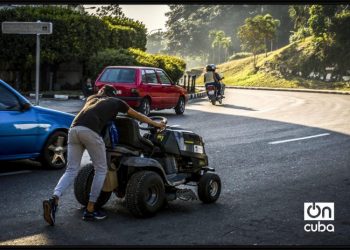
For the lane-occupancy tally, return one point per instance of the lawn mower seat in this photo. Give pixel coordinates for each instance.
(129, 134)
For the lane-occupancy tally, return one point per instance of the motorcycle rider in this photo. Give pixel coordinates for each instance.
(213, 78)
(85, 133)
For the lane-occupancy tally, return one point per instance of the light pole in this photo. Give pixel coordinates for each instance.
(37, 69)
(149, 33)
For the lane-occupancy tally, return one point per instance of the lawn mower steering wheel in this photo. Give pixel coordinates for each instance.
(154, 118)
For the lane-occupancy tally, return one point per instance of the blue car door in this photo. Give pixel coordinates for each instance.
(18, 128)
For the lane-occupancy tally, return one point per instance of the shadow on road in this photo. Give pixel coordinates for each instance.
(264, 189)
(236, 107)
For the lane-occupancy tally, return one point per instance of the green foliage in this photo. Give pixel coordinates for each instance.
(144, 59)
(241, 73)
(156, 42)
(252, 39)
(188, 26)
(109, 57)
(255, 33)
(299, 14)
(300, 34)
(126, 32)
(112, 10)
(339, 51)
(76, 36)
(219, 40)
(173, 66)
(240, 55)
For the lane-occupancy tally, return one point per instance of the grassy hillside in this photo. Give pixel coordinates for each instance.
(268, 73)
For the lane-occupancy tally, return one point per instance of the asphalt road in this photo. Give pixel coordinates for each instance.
(273, 151)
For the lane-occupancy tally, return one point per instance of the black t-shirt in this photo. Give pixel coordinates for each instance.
(98, 111)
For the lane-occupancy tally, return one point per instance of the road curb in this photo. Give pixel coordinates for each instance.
(196, 95)
(80, 97)
(60, 97)
(339, 92)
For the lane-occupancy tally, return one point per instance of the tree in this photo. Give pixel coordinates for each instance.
(252, 39)
(156, 42)
(111, 10)
(226, 43)
(329, 25)
(299, 15)
(269, 27)
(188, 26)
(76, 37)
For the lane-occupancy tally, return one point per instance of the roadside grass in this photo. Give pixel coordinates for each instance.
(240, 72)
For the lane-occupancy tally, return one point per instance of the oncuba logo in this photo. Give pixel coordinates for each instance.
(319, 211)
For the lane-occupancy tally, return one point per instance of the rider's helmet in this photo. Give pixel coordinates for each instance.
(210, 67)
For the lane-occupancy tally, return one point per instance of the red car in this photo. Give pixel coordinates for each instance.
(144, 88)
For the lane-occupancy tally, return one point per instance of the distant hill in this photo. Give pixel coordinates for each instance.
(287, 67)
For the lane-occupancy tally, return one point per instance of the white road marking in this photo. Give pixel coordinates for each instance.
(299, 139)
(17, 172)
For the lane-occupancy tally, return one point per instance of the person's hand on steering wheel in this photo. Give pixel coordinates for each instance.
(151, 121)
(161, 125)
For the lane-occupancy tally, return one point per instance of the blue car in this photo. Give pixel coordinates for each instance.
(31, 132)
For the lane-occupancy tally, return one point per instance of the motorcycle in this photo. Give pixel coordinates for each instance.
(152, 169)
(212, 92)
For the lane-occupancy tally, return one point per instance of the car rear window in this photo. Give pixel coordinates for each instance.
(118, 75)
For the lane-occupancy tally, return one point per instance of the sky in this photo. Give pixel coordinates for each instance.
(152, 15)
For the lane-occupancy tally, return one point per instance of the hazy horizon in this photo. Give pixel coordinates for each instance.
(152, 15)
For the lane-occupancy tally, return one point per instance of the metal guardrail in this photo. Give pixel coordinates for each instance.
(188, 82)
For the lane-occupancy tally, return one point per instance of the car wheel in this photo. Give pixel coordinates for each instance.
(54, 153)
(180, 107)
(82, 187)
(145, 107)
(209, 188)
(145, 193)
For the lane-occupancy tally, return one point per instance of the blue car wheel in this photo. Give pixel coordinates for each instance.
(54, 153)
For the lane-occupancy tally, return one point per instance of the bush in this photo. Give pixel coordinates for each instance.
(144, 59)
(300, 34)
(126, 33)
(173, 66)
(240, 55)
(108, 57)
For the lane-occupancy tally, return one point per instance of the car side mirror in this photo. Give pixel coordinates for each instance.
(25, 106)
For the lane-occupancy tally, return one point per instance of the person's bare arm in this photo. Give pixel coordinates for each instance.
(134, 114)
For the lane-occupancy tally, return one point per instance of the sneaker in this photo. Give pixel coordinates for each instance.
(50, 209)
(96, 215)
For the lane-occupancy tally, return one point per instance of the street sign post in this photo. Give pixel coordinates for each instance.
(38, 28)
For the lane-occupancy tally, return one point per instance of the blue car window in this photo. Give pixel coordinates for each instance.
(8, 101)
